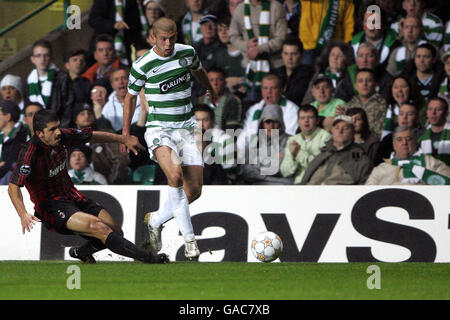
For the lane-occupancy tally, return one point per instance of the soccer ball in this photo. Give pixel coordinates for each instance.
(267, 246)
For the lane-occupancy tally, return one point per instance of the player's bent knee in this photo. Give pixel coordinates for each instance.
(99, 229)
(175, 179)
(194, 194)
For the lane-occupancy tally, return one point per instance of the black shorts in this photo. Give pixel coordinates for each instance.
(55, 213)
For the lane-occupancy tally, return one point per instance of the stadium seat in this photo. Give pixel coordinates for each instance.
(144, 174)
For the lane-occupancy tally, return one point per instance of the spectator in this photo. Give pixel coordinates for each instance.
(403, 90)
(432, 24)
(149, 12)
(80, 170)
(364, 137)
(408, 165)
(326, 104)
(28, 115)
(444, 88)
(333, 62)
(84, 117)
(369, 100)
(113, 109)
(411, 34)
(304, 146)
(408, 116)
(217, 149)
(75, 64)
(384, 39)
(12, 135)
(227, 107)
(99, 95)
(317, 26)
(436, 139)
(294, 75)
(11, 89)
(340, 161)
(190, 23)
(263, 167)
(229, 58)
(105, 55)
(426, 70)
(208, 45)
(258, 29)
(271, 93)
(120, 20)
(48, 85)
(293, 10)
(206, 48)
(366, 58)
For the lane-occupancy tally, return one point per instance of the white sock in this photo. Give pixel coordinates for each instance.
(180, 210)
(163, 215)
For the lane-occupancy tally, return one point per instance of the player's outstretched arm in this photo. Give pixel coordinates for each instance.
(131, 142)
(129, 105)
(27, 220)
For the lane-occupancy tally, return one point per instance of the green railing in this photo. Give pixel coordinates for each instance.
(35, 12)
(24, 21)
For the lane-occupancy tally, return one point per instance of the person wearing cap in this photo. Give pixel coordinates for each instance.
(80, 171)
(444, 88)
(75, 63)
(12, 135)
(266, 151)
(294, 75)
(189, 25)
(368, 99)
(341, 161)
(11, 89)
(324, 101)
(408, 164)
(83, 117)
(206, 49)
(303, 147)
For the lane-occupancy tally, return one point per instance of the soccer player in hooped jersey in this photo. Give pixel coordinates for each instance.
(42, 168)
(165, 74)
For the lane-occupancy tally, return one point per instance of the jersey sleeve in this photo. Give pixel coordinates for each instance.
(196, 63)
(136, 79)
(74, 137)
(24, 165)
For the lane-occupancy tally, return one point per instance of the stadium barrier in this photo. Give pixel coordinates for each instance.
(316, 223)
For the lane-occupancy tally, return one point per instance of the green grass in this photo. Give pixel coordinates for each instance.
(223, 281)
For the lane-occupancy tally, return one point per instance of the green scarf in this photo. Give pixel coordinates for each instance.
(119, 43)
(328, 24)
(414, 170)
(443, 145)
(41, 91)
(187, 30)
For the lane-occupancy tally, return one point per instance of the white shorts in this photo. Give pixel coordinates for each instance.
(182, 141)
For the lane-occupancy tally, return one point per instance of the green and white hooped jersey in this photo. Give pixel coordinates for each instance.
(167, 83)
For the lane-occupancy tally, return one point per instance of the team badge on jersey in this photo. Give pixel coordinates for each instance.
(183, 62)
(156, 142)
(25, 170)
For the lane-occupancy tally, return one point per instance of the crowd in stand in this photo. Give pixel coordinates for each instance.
(344, 95)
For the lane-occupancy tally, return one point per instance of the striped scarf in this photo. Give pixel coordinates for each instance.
(389, 39)
(447, 37)
(257, 69)
(391, 114)
(119, 43)
(190, 38)
(442, 146)
(414, 171)
(41, 91)
(143, 20)
(335, 77)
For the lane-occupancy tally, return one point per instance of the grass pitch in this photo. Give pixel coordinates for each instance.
(222, 281)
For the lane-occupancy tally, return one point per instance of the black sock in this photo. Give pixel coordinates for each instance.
(122, 246)
(90, 247)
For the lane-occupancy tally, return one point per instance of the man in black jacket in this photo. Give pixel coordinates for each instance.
(294, 75)
(12, 135)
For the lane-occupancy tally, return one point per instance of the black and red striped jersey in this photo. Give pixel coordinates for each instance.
(43, 169)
